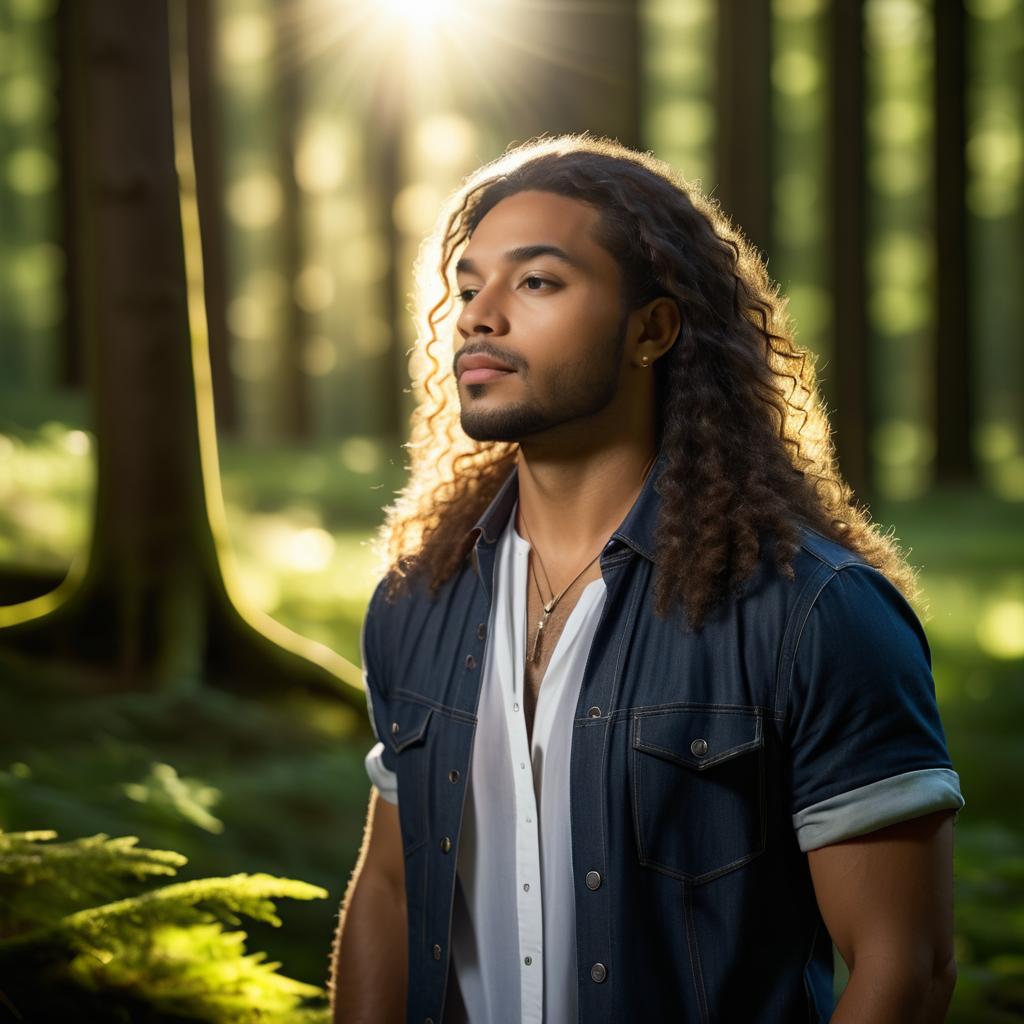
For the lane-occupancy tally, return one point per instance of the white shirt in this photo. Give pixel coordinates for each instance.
(515, 854)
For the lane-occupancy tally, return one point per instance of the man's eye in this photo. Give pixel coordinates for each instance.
(532, 282)
(538, 280)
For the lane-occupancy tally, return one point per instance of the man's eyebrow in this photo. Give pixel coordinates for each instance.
(523, 253)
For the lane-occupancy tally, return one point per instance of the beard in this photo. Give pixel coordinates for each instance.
(582, 391)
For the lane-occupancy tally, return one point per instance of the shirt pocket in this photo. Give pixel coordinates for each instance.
(698, 790)
(408, 736)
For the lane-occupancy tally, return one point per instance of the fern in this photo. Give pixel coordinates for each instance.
(191, 799)
(165, 948)
(40, 881)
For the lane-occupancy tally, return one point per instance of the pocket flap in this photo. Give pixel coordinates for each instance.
(408, 723)
(697, 737)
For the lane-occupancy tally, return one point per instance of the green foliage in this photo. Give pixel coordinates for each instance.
(990, 924)
(189, 798)
(71, 918)
(286, 779)
(40, 883)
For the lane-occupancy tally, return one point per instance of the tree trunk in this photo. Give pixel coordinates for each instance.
(851, 395)
(954, 378)
(207, 149)
(384, 139)
(69, 62)
(151, 610)
(294, 381)
(743, 156)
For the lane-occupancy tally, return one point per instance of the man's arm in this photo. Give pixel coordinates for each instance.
(887, 900)
(369, 967)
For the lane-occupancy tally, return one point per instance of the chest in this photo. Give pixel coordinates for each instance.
(534, 670)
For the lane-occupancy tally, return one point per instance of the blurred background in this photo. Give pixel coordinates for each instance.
(209, 213)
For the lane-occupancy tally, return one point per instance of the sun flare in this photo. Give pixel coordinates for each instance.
(419, 13)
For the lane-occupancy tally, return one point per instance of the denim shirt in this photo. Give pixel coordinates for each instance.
(703, 766)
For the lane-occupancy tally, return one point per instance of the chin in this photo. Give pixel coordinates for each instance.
(480, 432)
(512, 423)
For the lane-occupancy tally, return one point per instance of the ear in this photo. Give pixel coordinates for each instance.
(660, 323)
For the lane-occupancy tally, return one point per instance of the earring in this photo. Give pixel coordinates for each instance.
(644, 360)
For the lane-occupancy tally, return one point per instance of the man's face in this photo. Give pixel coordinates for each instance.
(555, 320)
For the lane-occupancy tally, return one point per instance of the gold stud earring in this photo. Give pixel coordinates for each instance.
(644, 360)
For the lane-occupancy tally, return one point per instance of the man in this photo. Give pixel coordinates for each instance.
(656, 720)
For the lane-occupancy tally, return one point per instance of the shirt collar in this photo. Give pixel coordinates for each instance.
(636, 530)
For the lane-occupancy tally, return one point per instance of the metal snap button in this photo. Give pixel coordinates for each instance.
(593, 880)
(594, 712)
(470, 661)
(437, 952)
(481, 630)
(699, 747)
(599, 972)
(453, 775)
(527, 960)
(446, 844)
(394, 728)
(526, 886)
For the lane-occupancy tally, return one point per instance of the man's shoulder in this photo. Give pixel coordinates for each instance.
(815, 568)
(389, 599)
(846, 577)
(397, 598)
(814, 562)
(852, 601)
(818, 550)
(843, 582)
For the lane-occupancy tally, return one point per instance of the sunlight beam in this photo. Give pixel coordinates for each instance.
(421, 14)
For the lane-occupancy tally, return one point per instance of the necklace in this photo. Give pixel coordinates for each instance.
(550, 605)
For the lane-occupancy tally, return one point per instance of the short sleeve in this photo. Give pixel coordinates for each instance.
(866, 743)
(379, 766)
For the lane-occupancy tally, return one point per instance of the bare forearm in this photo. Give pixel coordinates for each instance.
(369, 974)
(882, 993)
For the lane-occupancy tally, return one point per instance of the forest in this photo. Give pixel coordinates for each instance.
(210, 212)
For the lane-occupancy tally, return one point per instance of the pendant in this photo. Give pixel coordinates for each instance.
(536, 636)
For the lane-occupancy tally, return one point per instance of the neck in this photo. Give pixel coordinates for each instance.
(571, 505)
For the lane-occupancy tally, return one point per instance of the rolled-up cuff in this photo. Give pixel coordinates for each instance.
(383, 778)
(882, 803)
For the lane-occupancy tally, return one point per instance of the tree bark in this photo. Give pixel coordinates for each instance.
(69, 62)
(295, 381)
(853, 416)
(206, 144)
(743, 156)
(953, 406)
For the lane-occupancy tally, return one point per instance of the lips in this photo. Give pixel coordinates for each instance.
(484, 373)
(474, 369)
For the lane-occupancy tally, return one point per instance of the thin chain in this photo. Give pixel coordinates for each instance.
(550, 605)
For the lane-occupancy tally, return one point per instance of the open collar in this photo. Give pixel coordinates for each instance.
(636, 530)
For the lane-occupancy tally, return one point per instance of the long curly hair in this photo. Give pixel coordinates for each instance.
(736, 402)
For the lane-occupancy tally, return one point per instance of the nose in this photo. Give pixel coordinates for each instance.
(482, 315)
